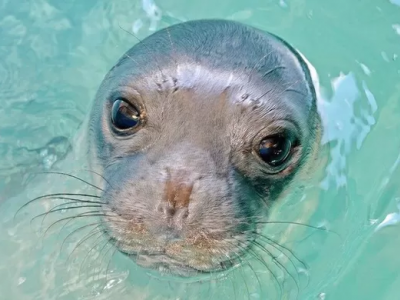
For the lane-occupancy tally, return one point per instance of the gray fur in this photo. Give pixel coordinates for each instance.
(211, 90)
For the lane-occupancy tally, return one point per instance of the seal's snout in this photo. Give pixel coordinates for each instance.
(175, 201)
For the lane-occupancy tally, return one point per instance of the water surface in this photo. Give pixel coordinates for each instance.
(53, 56)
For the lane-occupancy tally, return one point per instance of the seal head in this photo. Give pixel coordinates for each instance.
(197, 130)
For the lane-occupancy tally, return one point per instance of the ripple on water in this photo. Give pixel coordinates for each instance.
(53, 54)
(348, 118)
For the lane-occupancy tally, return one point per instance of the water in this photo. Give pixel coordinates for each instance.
(53, 55)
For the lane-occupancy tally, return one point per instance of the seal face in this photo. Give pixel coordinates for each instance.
(197, 130)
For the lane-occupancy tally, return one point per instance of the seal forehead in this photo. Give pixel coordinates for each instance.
(229, 49)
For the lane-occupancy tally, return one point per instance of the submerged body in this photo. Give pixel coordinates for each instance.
(197, 131)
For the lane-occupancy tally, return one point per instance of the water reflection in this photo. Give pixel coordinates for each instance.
(346, 122)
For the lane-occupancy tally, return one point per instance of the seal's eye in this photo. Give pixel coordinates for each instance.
(274, 150)
(124, 115)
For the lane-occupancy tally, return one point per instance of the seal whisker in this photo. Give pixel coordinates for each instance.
(255, 255)
(95, 231)
(267, 92)
(71, 218)
(96, 243)
(255, 274)
(141, 43)
(278, 249)
(58, 196)
(209, 290)
(73, 200)
(94, 172)
(243, 249)
(261, 59)
(261, 259)
(96, 259)
(275, 245)
(295, 91)
(245, 283)
(279, 264)
(44, 215)
(281, 246)
(273, 70)
(300, 224)
(175, 80)
(55, 209)
(112, 246)
(109, 261)
(75, 231)
(234, 287)
(75, 207)
(263, 200)
(281, 93)
(72, 176)
(289, 89)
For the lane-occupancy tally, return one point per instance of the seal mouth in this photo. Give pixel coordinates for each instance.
(189, 252)
(166, 264)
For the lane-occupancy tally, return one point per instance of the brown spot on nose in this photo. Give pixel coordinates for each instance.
(177, 191)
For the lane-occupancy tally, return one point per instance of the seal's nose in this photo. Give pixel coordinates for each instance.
(176, 197)
(177, 192)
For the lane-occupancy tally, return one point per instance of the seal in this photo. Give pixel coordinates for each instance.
(197, 131)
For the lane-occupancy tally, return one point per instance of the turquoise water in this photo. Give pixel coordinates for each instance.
(53, 56)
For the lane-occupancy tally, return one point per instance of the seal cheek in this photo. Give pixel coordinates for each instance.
(203, 251)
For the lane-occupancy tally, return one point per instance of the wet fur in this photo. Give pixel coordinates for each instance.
(210, 91)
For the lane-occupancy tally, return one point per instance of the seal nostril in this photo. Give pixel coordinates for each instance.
(177, 192)
(169, 211)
